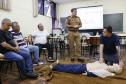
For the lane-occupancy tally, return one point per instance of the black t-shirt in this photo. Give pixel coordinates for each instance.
(110, 44)
(5, 37)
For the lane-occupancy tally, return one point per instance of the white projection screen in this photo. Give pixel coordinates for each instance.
(91, 17)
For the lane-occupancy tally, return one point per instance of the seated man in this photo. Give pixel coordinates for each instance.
(12, 52)
(40, 40)
(90, 69)
(17, 35)
(109, 47)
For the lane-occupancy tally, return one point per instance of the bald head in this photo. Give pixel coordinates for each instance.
(6, 20)
(6, 23)
(40, 27)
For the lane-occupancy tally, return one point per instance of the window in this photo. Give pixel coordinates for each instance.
(40, 7)
(44, 7)
(47, 8)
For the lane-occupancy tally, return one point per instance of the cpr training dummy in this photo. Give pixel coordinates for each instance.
(94, 69)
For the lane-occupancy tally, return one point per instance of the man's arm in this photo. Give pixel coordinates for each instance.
(67, 23)
(119, 56)
(118, 52)
(30, 39)
(101, 59)
(16, 43)
(17, 47)
(80, 25)
(8, 46)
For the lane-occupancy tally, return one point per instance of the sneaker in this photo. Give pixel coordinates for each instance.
(72, 59)
(50, 59)
(35, 63)
(40, 63)
(81, 59)
(31, 75)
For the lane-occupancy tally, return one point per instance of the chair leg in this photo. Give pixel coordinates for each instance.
(2, 66)
(11, 65)
(19, 71)
(0, 74)
(0, 80)
(6, 67)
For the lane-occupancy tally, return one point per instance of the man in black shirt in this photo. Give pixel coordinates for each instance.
(11, 51)
(109, 47)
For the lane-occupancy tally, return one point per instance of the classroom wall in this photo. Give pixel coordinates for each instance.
(22, 11)
(110, 7)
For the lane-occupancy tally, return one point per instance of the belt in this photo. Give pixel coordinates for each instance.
(74, 30)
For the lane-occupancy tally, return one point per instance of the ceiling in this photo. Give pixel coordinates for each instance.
(65, 1)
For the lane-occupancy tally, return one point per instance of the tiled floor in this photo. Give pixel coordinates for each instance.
(63, 78)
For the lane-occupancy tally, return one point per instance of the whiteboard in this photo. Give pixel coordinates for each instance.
(91, 17)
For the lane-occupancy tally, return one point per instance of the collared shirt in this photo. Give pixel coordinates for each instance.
(19, 39)
(73, 21)
(40, 37)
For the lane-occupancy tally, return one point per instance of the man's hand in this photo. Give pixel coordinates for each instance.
(121, 64)
(101, 60)
(16, 48)
(76, 26)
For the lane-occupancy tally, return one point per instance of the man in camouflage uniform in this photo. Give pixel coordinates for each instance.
(73, 23)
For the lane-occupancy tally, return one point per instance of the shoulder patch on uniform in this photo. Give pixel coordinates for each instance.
(77, 16)
(68, 17)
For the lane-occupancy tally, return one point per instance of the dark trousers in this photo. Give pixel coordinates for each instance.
(111, 59)
(49, 48)
(73, 68)
(70, 68)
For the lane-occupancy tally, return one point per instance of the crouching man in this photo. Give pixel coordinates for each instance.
(110, 48)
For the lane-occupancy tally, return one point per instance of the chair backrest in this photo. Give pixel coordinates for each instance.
(94, 40)
(84, 40)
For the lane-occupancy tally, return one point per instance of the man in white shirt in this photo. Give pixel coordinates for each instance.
(40, 40)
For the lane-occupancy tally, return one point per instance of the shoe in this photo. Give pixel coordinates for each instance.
(22, 77)
(40, 63)
(31, 75)
(72, 59)
(50, 59)
(81, 59)
(35, 63)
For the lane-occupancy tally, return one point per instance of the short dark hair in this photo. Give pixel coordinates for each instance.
(73, 9)
(109, 29)
(14, 24)
(38, 25)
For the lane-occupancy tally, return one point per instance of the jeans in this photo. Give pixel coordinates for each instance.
(49, 48)
(22, 58)
(33, 49)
